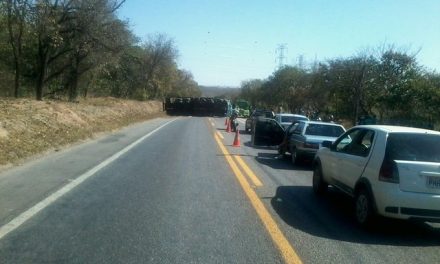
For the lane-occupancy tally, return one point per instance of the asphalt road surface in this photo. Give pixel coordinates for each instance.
(174, 190)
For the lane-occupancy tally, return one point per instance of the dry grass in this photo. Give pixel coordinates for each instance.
(29, 127)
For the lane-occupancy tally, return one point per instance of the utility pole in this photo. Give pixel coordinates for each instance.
(281, 55)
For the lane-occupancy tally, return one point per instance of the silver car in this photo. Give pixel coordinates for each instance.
(287, 119)
(305, 138)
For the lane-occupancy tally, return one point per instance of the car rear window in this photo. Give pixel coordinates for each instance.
(413, 147)
(290, 119)
(324, 130)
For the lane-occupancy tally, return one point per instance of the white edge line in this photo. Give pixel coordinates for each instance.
(26, 215)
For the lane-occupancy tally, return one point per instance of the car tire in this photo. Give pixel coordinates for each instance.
(319, 185)
(364, 208)
(295, 156)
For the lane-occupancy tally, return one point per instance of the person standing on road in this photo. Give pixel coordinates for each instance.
(233, 120)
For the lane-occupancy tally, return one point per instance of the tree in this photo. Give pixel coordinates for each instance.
(286, 88)
(396, 72)
(17, 12)
(184, 85)
(97, 36)
(67, 33)
(160, 56)
(63, 47)
(250, 91)
(147, 72)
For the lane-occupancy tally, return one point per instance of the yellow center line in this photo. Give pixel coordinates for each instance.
(274, 231)
(248, 171)
(219, 134)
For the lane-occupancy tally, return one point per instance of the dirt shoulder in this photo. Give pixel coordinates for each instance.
(29, 127)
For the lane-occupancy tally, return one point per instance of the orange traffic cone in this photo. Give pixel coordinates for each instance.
(228, 126)
(237, 138)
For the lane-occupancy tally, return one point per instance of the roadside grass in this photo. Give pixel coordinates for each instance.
(29, 127)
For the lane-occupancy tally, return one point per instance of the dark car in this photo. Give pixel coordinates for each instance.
(267, 132)
(250, 122)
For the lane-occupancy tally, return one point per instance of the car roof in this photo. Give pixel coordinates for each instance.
(287, 114)
(321, 123)
(399, 129)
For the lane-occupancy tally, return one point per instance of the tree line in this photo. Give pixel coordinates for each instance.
(72, 48)
(388, 84)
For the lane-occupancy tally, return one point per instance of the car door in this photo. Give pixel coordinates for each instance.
(267, 132)
(348, 157)
(289, 130)
(296, 136)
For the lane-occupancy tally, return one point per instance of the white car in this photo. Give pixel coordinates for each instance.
(391, 171)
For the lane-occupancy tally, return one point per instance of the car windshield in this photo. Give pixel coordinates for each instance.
(290, 119)
(413, 147)
(324, 130)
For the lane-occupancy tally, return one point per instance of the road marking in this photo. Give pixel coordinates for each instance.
(28, 214)
(210, 121)
(219, 134)
(275, 233)
(248, 171)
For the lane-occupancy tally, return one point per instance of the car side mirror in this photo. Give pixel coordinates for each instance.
(327, 144)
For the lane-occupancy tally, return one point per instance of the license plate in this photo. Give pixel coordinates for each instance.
(433, 182)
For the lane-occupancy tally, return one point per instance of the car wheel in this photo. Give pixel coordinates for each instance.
(319, 185)
(363, 208)
(295, 156)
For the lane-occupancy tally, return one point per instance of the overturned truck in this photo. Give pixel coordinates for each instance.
(197, 106)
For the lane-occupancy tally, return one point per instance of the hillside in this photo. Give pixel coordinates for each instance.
(29, 127)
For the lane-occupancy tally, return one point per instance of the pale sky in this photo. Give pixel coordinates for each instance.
(226, 42)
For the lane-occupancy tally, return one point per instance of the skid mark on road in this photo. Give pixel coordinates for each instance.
(272, 228)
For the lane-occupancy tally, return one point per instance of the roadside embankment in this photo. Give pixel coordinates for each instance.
(29, 127)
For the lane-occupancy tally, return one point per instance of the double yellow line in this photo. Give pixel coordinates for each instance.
(272, 228)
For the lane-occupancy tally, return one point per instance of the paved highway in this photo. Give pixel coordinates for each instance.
(174, 190)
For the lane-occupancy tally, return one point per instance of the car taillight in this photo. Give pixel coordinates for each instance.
(389, 172)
